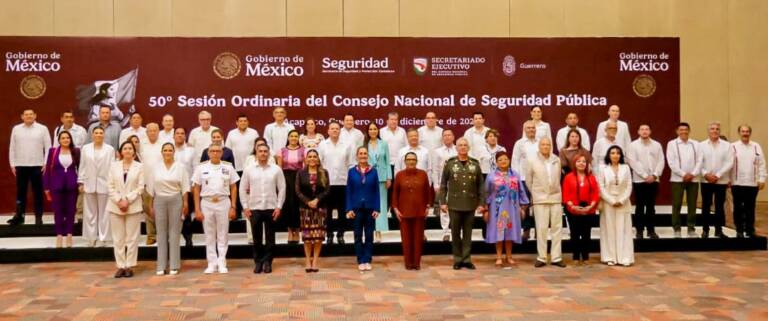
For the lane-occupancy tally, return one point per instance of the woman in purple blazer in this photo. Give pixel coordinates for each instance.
(60, 182)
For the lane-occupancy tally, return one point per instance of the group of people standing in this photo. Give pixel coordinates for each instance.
(297, 180)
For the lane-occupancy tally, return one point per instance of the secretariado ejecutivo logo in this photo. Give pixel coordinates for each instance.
(447, 66)
(420, 65)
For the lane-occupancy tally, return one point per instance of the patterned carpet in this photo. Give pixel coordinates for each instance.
(661, 286)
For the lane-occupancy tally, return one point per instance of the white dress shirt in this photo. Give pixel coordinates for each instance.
(241, 143)
(683, 157)
(749, 164)
(600, 149)
(337, 158)
(439, 157)
(431, 138)
(167, 182)
(542, 130)
(151, 154)
(251, 160)
(395, 140)
(646, 158)
(562, 137)
(476, 140)
(29, 145)
(422, 156)
(354, 137)
(488, 158)
(79, 135)
(166, 136)
(262, 187)
(524, 148)
(183, 155)
(622, 134)
(199, 140)
(277, 135)
(140, 132)
(716, 159)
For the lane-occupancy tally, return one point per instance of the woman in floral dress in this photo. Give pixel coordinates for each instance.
(506, 205)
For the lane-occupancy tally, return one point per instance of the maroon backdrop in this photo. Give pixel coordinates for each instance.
(170, 69)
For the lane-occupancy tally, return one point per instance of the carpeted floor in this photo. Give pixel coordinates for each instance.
(661, 286)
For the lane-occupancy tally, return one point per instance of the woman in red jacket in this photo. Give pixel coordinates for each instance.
(581, 195)
(411, 201)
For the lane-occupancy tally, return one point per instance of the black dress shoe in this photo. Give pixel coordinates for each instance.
(314, 270)
(16, 220)
(340, 239)
(457, 266)
(469, 266)
(539, 264)
(653, 235)
(258, 269)
(559, 263)
(119, 273)
(128, 273)
(308, 270)
(268, 268)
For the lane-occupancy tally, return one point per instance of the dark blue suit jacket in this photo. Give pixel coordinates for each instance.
(362, 196)
(226, 156)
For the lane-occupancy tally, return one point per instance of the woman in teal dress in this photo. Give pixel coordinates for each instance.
(378, 157)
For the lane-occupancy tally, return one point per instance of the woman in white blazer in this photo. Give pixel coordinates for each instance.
(95, 160)
(615, 182)
(126, 184)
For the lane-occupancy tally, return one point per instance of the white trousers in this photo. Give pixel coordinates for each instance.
(616, 243)
(549, 218)
(95, 217)
(216, 228)
(125, 231)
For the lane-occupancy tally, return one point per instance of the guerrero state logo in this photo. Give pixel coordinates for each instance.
(509, 66)
(32, 87)
(226, 65)
(420, 65)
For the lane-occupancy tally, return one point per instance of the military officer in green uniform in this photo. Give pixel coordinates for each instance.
(461, 195)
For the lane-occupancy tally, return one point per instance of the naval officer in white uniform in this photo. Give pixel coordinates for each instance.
(215, 193)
